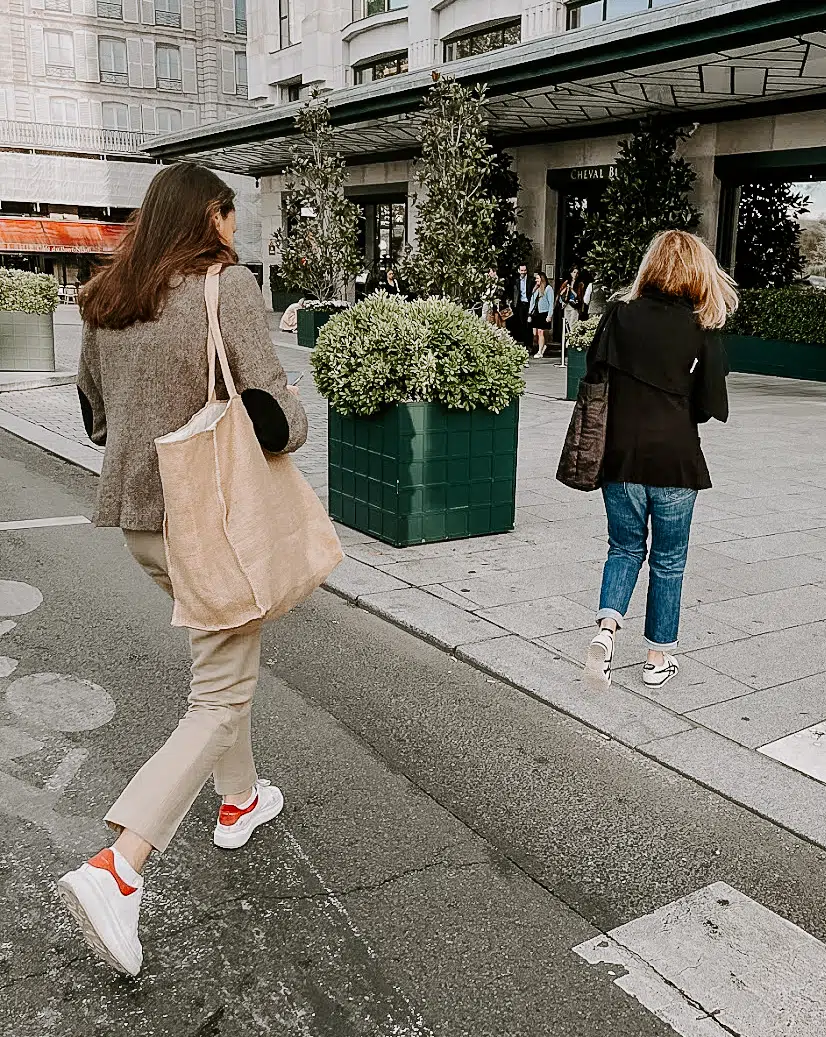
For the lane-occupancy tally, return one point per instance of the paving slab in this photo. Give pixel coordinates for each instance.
(698, 686)
(777, 545)
(774, 574)
(804, 751)
(543, 582)
(618, 713)
(353, 579)
(422, 571)
(531, 619)
(774, 522)
(430, 618)
(774, 610)
(777, 657)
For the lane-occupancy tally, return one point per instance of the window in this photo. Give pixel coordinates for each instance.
(241, 17)
(169, 120)
(394, 65)
(241, 83)
(110, 9)
(583, 13)
(63, 111)
(115, 116)
(291, 92)
(168, 12)
(168, 66)
(483, 40)
(60, 54)
(284, 23)
(112, 54)
(367, 8)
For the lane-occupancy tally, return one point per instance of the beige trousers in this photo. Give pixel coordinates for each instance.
(213, 736)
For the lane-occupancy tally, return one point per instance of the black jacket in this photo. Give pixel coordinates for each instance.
(666, 375)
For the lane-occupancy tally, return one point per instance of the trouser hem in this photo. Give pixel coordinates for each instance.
(618, 617)
(658, 647)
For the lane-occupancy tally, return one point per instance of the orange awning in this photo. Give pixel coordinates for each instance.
(19, 234)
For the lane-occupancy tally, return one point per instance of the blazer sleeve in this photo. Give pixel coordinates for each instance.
(709, 393)
(277, 414)
(598, 350)
(89, 388)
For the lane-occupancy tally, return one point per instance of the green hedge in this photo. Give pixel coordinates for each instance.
(385, 350)
(27, 293)
(784, 314)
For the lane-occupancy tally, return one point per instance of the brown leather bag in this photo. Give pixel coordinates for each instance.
(580, 465)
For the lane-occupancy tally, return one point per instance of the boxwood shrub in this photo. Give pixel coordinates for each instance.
(385, 350)
(785, 314)
(26, 292)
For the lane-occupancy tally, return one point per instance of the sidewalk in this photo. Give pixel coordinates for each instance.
(752, 690)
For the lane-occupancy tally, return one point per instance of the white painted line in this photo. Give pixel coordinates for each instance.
(804, 751)
(88, 457)
(65, 520)
(716, 963)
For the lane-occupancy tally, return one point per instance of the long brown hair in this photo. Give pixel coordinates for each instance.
(679, 263)
(173, 232)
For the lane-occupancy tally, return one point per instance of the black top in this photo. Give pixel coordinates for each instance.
(666, 376)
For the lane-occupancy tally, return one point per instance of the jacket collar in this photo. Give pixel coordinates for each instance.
(675, 300)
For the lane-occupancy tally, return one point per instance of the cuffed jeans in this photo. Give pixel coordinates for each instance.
(630, 507)
(213, 736)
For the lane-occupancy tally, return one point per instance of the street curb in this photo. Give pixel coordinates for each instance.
(759, 784)
(42, 381)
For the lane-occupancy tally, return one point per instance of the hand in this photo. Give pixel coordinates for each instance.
(294, 389)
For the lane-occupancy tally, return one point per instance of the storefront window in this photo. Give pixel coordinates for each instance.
(394, 65)
(483, 41)
(582, 13)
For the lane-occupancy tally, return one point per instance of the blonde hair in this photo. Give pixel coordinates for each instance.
(679, 263)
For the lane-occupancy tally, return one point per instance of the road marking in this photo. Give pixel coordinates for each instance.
(717, 963)
(64, 520)
(804, 751)
(60, 702)
(17, 599)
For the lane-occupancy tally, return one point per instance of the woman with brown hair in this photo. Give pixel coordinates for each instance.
(142, 375)
(666, 374)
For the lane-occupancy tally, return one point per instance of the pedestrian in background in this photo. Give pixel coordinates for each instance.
(520, 304)
(540, 310)
(143, 374)
(667, 374)
(572, 297)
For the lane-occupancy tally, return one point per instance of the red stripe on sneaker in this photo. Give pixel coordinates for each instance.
(229, 814)
(106, 861)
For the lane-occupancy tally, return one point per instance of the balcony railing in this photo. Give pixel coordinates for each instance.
(45, 137)
(60, 72)
(171, 18)
(64, 6)
(170, 84)
(118, 78)
(109, 9)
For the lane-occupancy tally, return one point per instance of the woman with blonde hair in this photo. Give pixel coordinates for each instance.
(667, 374)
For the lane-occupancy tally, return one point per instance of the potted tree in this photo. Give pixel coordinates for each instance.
(27, 305)
(423, 419)
(578, 342)
(282, 296)
(318, 241)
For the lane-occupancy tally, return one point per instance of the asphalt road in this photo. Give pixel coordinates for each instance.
(447, 841)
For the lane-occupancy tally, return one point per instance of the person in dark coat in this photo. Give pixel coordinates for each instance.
(667, 375)
(519, 325)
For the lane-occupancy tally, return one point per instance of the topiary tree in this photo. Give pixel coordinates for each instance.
(768, 235)
(649, 193)
(455, 222)
(318, 246)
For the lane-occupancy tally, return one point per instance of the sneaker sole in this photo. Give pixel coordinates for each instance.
(97, 925)
(662, 683)
(235, 840)
(595, 666)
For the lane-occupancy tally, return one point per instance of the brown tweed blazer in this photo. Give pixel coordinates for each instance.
(149, 379)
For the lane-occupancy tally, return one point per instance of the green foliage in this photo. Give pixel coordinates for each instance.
(27, 292)
(582, 334)
(318, 249)
(455, 244)
(768, 235)
(511, 246)
(277, 282)
(648, 194)
(782, 314)
(386, 350)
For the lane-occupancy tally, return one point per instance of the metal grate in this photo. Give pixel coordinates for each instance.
(107, 9)
(119, 78)
(241, 26)
(59, 5)
(170, 84)
(60, 72)
(172, 18)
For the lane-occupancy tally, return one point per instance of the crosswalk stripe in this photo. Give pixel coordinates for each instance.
(63, 520)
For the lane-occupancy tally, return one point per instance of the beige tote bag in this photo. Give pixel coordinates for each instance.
(246, 536)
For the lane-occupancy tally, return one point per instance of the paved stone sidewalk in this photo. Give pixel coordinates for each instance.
(520, 606)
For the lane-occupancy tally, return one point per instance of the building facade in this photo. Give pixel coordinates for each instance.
(566, 79)
(84, 84)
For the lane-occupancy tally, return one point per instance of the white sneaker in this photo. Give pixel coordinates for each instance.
(236, 824)
(600, 657)
(654, 676)
(106, 908)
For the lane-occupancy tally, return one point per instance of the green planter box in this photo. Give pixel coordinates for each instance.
(576, 361)
(26, 341)
(310, 322)
(419, 473)
(751, 355)
(281, 300)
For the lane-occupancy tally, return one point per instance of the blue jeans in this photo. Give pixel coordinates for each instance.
(629, 507)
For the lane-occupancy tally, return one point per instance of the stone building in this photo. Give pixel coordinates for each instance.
(566, 80)
(84, 84)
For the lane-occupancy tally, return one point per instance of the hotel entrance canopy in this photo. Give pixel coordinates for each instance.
(698, 61)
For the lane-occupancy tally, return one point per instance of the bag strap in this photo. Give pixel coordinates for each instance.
(215, 340)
